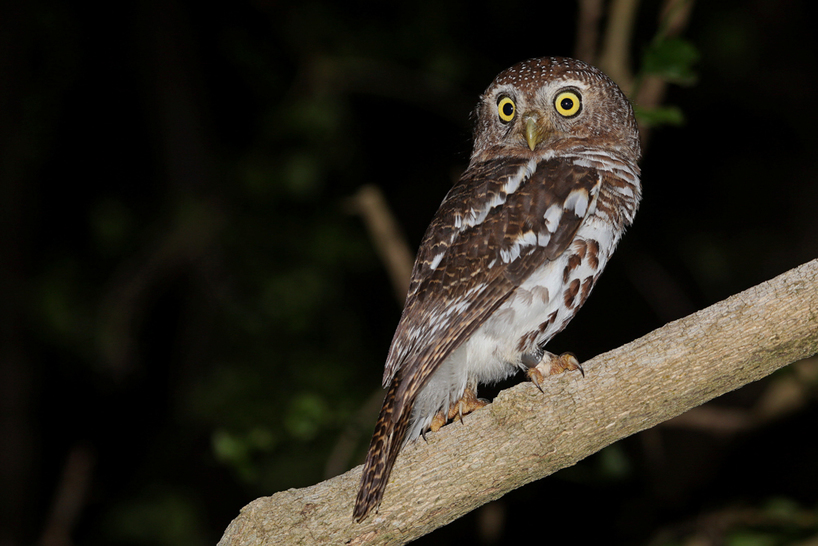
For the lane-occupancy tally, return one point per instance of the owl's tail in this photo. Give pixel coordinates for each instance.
(390, 432)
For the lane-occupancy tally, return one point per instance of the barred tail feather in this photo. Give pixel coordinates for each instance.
(390, 432)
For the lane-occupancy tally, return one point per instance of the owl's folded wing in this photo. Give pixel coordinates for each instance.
(502, 221)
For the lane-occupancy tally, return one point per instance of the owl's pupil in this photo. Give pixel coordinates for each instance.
(508, 109)
(567, 104)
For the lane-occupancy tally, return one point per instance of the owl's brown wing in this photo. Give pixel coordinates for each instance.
(503, 220)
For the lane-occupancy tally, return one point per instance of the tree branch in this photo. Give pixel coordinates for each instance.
(386, 235)
(524, 435)
(588, 16)
(616, 44)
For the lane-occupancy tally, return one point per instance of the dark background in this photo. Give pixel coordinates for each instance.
(192, 317)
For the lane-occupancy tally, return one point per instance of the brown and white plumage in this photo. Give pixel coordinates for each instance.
(514, 249)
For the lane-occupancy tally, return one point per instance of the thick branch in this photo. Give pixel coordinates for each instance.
(524, 435)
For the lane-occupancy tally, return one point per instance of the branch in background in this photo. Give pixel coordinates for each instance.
(713, 528)
(390, 244)
(590, 12)
(196, 227)
(616, 43)
(69, 498)
(525, 435)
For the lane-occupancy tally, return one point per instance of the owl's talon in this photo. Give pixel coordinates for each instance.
(467, 404)
(551, 364)
(536, 377)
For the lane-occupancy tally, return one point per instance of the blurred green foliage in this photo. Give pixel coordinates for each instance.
(161, 517)
(671, 59)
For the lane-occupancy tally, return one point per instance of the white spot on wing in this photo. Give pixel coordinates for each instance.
(552, 217)
(514, 181)
(511, 254)
(527, 239)
(477, 289)
(577, 201)
(458, 306)
(476, 217)
(436, 260)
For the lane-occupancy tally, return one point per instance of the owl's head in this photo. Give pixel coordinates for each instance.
(556, 104)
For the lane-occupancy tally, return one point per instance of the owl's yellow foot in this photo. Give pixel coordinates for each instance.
(551, 364)
(467, 404)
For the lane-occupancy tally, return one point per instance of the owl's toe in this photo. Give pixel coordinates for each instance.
(551, 364)
(465, 405)
(437, 421)
(566, 362)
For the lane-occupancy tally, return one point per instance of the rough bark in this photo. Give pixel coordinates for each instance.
(524, 435)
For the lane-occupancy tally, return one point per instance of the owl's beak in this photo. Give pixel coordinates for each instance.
(535, 131)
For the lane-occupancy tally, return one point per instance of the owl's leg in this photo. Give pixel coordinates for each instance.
(540, 365)
(465, 405)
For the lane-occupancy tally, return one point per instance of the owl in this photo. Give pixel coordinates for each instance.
(513, 251)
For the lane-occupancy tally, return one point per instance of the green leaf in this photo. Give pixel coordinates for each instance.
(239, 450)
(307, 414)
(663, 115)
(671, 59)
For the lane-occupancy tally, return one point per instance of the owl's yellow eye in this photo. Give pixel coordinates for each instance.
(505, 109)
(568, 103)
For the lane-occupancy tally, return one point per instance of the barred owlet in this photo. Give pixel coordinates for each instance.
(513, 252)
